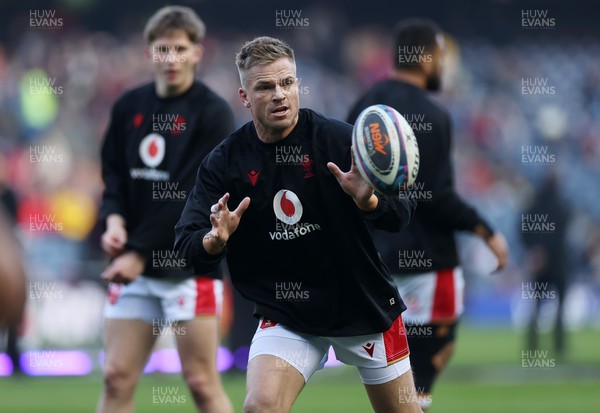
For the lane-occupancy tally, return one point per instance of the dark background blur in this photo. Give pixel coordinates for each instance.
(491, 19)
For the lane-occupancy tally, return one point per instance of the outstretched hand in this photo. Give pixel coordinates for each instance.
(355, 185)
(224, 223)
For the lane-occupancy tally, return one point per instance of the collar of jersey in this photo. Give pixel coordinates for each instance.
(288, 140)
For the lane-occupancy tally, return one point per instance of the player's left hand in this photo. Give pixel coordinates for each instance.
(354, 185)
(125, 268)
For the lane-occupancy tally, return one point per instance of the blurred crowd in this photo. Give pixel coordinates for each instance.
(527, 114)
(507, 101)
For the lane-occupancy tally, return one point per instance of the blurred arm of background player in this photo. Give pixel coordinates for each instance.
(451, 210)
(447, 206)
(447, 209)
(12, 276)
(126, 265)
(115, 237)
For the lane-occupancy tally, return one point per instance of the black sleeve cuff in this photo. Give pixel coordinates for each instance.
(380, 209)
(202, 261)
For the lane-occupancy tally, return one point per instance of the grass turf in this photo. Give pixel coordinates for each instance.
(486, 375)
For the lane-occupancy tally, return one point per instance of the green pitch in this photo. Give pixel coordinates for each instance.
(486, 375)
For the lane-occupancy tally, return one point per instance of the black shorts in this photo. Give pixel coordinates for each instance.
(424, 342)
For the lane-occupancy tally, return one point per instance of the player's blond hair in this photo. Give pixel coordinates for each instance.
(260, 51)
(171, 18)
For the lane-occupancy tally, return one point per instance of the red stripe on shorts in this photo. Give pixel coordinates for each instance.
(394, 340)
(266, 323)
(444, 298)
(206, 301)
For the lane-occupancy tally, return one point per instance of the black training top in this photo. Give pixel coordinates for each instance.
(150, 155)
(427, 244)
(303, 252)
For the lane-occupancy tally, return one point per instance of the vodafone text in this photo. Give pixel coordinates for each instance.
(288, 232)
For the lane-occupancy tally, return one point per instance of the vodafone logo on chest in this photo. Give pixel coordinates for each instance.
(288, 211)
(287, 207)
(152, 150)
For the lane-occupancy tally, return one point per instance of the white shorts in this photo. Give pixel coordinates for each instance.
(151, 299)
(380, 357)
(432, 297)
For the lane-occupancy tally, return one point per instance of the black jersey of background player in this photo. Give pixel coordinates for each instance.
(151, 153)
(428, 242)
(303, 252)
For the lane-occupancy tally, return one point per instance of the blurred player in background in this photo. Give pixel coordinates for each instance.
(158, 135)
(547, 260)
(302, 251)
(432, 283)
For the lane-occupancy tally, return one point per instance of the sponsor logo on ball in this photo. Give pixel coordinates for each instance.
(377, 140)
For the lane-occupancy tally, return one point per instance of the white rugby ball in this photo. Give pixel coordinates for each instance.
(385, 149)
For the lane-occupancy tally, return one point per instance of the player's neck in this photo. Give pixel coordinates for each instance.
(164, 91)
(414, 78)
(268, 135)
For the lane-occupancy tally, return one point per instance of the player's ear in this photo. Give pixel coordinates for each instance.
(198, 53)
(243, 97)
(148, 52)
(431, 58)
(426, 62)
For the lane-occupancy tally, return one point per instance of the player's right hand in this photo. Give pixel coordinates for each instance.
(115, 237)
(497, 244)
(125, 268)
(355, 185)
(224, 223)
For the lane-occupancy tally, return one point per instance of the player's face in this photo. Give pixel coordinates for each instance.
(434, 70)
(271, 93)
(174, 58)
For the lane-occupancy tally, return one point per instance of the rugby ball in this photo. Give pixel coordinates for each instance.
(385, 149)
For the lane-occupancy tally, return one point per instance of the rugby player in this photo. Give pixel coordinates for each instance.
(297, 242)
(158, 135)
(423, 258)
